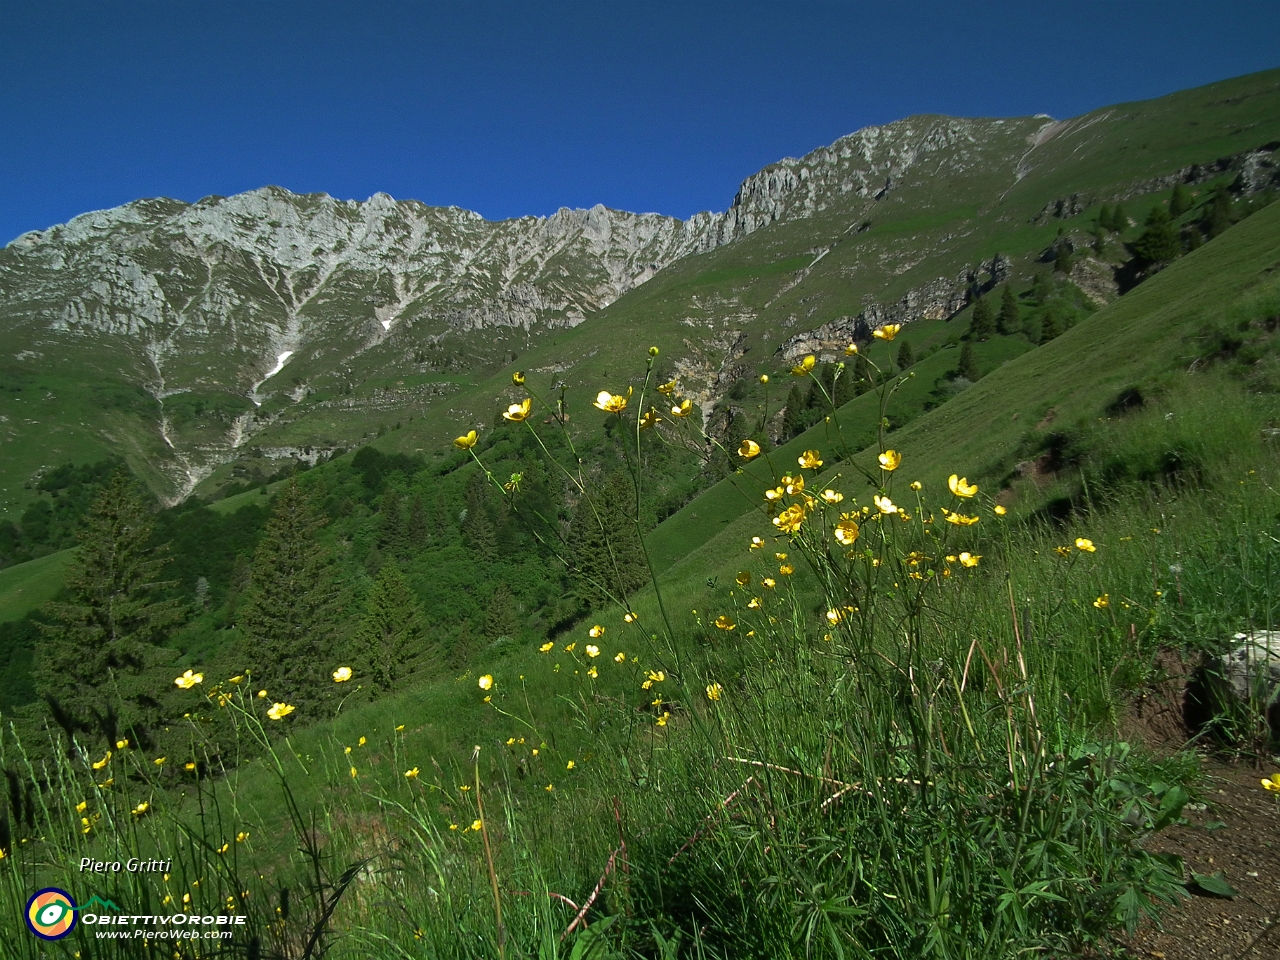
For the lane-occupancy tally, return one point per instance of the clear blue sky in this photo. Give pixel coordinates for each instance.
(521, 108)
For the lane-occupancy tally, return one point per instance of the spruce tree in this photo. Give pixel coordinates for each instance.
(392, 535)
(905, 357)
(793, 414)
(391, 642)
(968, 366)
(1119, 219)
(1217, 215)
(1159, 242)
(500, 619)
(1007, 321)
(417, 526)
(1179, 201)
(604, 546)
(98, 661)
(982, 322)
(1062, 259)
(1104, 217)
(1041, 288)
(1049, 326)
(291, 612)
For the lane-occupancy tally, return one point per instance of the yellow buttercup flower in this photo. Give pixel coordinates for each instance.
(361, 742)
(885, 505)
(486, 682)
(916, 485)
(159, 761)
(570, 765)
(546, 647)
(764, 378)
(662, 720)
(890, 460)
(887, 332)
(122, 744)
(960, 486)
(668, 388)
(279, 711)
(743, 578)
(810, 460)
(189, 765)
(1062, 551)
(466, 441)
(790, 519)
(682, 409)
(519, 411)
(620, 657)
(959, 519)
(99, 764)
(477, 825)
(756, 543)
(596, 632)
(794, 485)
(786, 569)
(831, 496)
(649, 419)
(998, 510)
(713, 691)
(846, 532)
(242, 836)
(592, 672)
(774, 493)
(189, 680)
(804, 366)
(725, 623)
(610, 403)
(850, 350)
(592, 650)
(768, 583)
(262, 694)
(753, 603)
(82, 806)
(629, 617)
(141, 808)
(749, 449)
(411, 774)
(518, 378)
(1086, 545)
(1103, 601)
(969, 559)
(342, 675)
(235, 679)
(834, 616)
(570, 647)
(1272, 783)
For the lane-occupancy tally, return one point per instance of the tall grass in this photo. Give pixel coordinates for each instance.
(895, 742)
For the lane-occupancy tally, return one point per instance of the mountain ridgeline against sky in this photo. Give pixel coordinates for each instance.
(197, 340)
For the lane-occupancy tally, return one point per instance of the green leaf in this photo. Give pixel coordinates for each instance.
(1171, 807)
(1215, 885)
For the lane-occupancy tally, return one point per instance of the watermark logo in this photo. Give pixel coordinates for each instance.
(51, 913)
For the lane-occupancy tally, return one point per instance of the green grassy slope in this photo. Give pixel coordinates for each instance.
(1135, 341)
(25, 587)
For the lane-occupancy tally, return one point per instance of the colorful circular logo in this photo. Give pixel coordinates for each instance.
(51, 913)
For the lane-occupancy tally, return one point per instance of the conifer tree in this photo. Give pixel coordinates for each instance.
(391, 642)
(417, 526)
(1007, 321)
(905, 357)
(1179, 201)
(1119, 219)
(604, 545)
(291, 611)
(1159, 242)
(1050, 328)
(1062, 259)
(500, 619)
(793, 414)
(1217, 215)
(392, 535)
(968, 366)
(97, 662)
(981, 323)
(1104, 217)
(1041, 288)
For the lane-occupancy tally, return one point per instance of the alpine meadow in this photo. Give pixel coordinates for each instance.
(885, 567)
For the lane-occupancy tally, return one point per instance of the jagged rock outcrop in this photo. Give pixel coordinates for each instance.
(938, 299)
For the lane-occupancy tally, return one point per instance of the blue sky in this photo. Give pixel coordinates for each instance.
(521, 108)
